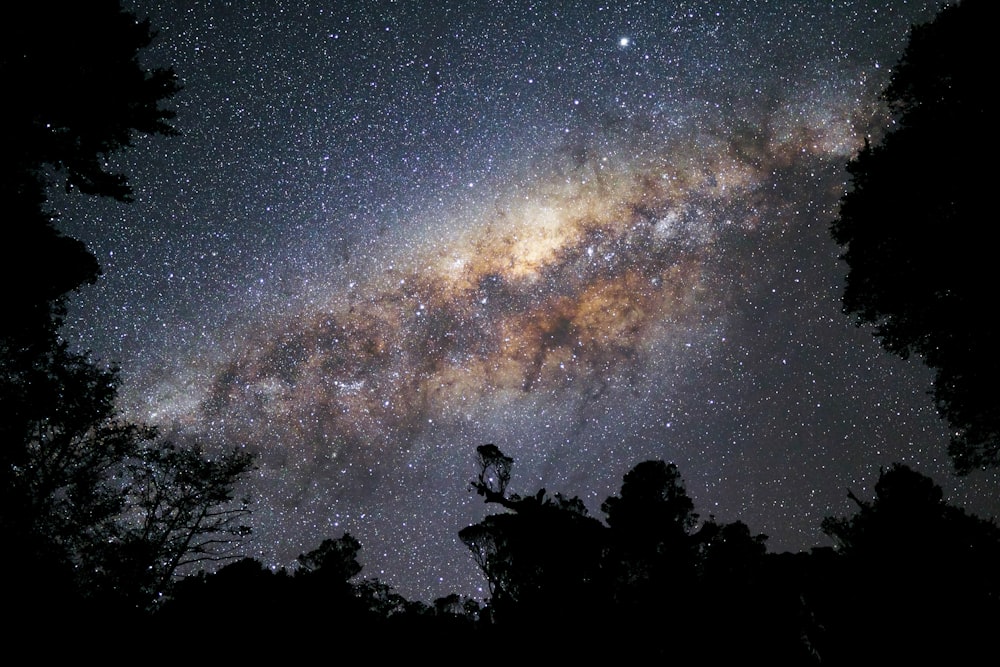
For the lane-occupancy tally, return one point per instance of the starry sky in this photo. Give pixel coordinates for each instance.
(592, 233)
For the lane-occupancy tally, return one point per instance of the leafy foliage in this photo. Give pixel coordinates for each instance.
(76, 95)
(918, 248)
(653, 506)
(929, 566)
(911, 576)
(107, 502)
(178, 510)
(102, 511)
(494, 473)
(545, 552)
(81, 93)
(333, 558)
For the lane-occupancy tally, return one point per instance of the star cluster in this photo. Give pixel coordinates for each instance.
(593, 234)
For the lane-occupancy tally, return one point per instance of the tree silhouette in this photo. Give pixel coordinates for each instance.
(177, 510)
(652, 557)
(656, 583)
(76, 94)
(912, 225)
(651, 523)
(916, 579)
(237, 607)
(114, 507)
(911, 579)
(653, 507)
(333, 559)
(542, 558)
(751, 597)
(99, 510)
(494, 473)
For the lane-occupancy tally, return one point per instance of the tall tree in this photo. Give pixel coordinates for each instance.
(917, 577)
(912, 225)
(653, 506)
(177, 509)
(91, 507)
(652, 558)
(541, 557)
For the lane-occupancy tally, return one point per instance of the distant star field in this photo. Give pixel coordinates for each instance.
(591, 233)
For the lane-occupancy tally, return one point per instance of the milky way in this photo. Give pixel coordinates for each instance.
(592, 235)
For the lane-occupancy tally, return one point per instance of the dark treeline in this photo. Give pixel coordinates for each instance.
(910, 577)
(117, 539)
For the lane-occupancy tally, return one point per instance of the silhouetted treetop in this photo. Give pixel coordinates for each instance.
(75, 93)
(917, 244)
(910, 516)
(494, 473)
(653, 498)
(335, 559)
(81, 93)
(915, 578)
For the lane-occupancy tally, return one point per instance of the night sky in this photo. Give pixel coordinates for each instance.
(591, 233)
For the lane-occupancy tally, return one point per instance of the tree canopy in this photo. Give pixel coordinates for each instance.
(915, 575)
(910, 576)
(96, 512)
(76, 94)
(914, 230)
